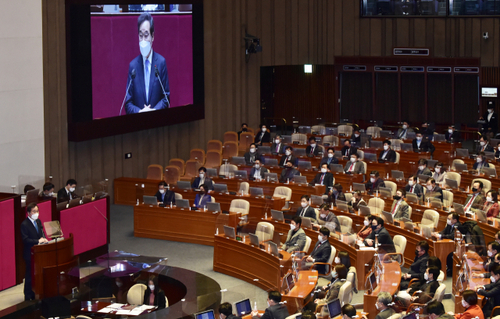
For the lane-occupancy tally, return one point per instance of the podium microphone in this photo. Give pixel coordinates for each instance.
(132, 76)
(163, 89)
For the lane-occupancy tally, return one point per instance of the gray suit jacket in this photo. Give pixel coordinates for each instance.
(403, 210)
(331, 222)
(359, 168)
(295, 242)
(386, 313)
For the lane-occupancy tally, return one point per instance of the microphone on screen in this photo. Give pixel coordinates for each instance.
(132, 76)
(157, 73)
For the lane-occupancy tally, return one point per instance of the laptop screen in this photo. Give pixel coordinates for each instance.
(334, 308)
(209, 314)
(243, 307)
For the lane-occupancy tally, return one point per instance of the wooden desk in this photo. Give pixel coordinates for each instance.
(301, 294)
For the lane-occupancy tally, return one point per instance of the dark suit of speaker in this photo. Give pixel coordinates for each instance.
(424, 146)
(30, 236)
(323, 178)
(262, 138)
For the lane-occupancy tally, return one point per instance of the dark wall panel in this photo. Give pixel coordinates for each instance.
(413, 97)
(386, 97)
(465, 99)
(439, 98)
(356, 96)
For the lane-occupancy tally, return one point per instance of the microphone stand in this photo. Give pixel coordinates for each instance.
(162, 88)
(132, 76)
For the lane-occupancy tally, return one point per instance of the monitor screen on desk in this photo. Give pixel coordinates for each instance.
(289, 281)
(373, 281)
(229, 232)
(271, 176)
(238, 160)
(240, 174)
(370, 157)
(182, 203)
(358, 187)
(336, 168)
(254, 239)
(184, 184)
(342, 205)
(209, 314)
(406, 146)
(277, 215)
(213, 207)
(412, 315)
(149, 200)
(256, 191)
(274, 249)
(220, 188)
(243, 307)
(334, 308)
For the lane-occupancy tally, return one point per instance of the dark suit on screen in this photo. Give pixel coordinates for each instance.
(136, 95)
(30, 237)
(166, 198)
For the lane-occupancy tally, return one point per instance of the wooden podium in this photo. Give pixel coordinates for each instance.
(50, 261)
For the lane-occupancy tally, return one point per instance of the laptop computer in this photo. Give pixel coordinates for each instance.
(334, 308)
(431, 163)
(342, 206)
(150, 200)
(229, 232)
(336, 168)
(254, 240)
(265, 149)
(385, 133)
(256, 191)
(290, 283)
(213, 207)
(304, 165)
(397, 174)
(220, 188)
(462, 152)
(387, 217)
(241, 174)
(316, 200)
(451, 183)
(277, 215)
(208, 314)
(238, 160)
(243, 307)
(299, 152)
(376, 144)
(461, 167)
(370, 157)
(459, 209)
(61, 206)
(423, 178)
(306, 222)
(184, 184)
(364, 210)
(182, 203)
(406, 146)
(273, 177)
(481, 216)
(274, 248)
(358, 187)
(300, 179)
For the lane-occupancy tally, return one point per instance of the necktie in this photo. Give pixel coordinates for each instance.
(201, 198)
(36, 226)
(411, 189)
(394, 209)
(277, 148)
(321, 181)
(351, 167)
(469, 203)
(403, 133)
(312, 150)
(146, 80)
(347, 152)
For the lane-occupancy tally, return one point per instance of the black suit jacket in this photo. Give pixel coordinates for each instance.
(308, 213)
(284, 160)
(327, 180)
(328, 161)
(248, 158)
(492, 124)
(278, 311)
(355, 140)
(264, 139)
(449, 231)
(452, 138)
(417, 189)
(390, 157)
(30, 236)
(384, 240)
(372, 187)
(321, 253)
(208, 182)
(487, 148)
(167, 199)
(352, 150)
(315, 152)
(62, 195)
(438, 189)
(159, 298)
(281, 149)
(428, 290)
(426, 171)
(287, 175)
(418, 267)
(425, 146)
(263, 170)
(492, 291)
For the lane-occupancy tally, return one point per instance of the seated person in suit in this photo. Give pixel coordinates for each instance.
(421, 144)
(244, 128)
(339, 275)
(47, 191)
(418, 267)
(485, 145)
(422, 168)
(321, 252)
(348, 312)
(449, 233)
(387, 155)
(252, 154)
(348, 149)
(330, 157)
(425, 290)
(306, 210)
(327, 219)
(366, 230)
(414, 187)
(202, 198)
(296, 238)
(28, 188)
(384, 239)
(492, 291)
(153, 295)
(226, 311)
(356, 138)
(480, 162)
(427, 131)
(493, 250)
(469, 303)
(312, 149)
(491, 206)
(452, 135)
(276, 310)
(433, 190)
(497, 151)
(354, 166)
(383, 304)
(288, 157)
(263, 136)
(440, 174)
(476, 199)
(496, 261)
(323, 178)
(277, 147)
(374, 183)
(164, 195)
(435, 309)
(258, 170)
(288, 173)
(403, 130)
(67, 193)
(357, 200)
(203, 179)
(400, 209)
(335, 194)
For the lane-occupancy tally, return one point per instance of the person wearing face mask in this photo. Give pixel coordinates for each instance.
(67, 193)
(366, 230)
(384, 239)
(425, 292)
(469, 302)
(329, 157)
(435, 310)
(422, 145)
(288, 157)
(164, 196)
(405, 128)
(490, 265)
(418, 267)
(323, 178)
(491, 206)
(356, 138)
(348, 149)
(480, 162)
(357, 201)
(327, 219)
(335, 194)
(476, 199)
(244, 128)
(312, 149)
(452, 135)
(203, 179)
(263, 136)
(493, 249)
(387, 155)
(383, 305)
(339, 275)
(449, 231)
(288, 173)
(400, 209)
(414, 187)
(296, 238)
(490, 127)
(353, 166)
(153, 295)
(145, 93)
(275, 309)
(321, 252)
(202, 198)
(47, 191)
(374, 183)
(439, 174)
(252, 155)
(305, 210)
(226, 311)
(258, 170)
(484, 145)
(277, 147)
(433, 190)
(492, 291)
(32, 234)
(422, 168)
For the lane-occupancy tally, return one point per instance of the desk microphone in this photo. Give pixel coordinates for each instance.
(132, 76)
(162, 88)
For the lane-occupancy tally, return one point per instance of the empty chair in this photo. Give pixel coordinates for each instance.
(345, 130)
(308, 244)
(318, 129)
(345, 224)
(299, 138)
(214, 145)
(197, 154)
(244, 186)
(374, 131)
(400, 245)
(179, 162)
(361, 155)
(447, 198)
(246, 138)
(230, 149)
(155, 171)
(345, 293)
(439, 294)
(225, 169)
(135, 295)
(178, 196)
(213, 159)
(239, 206)
(398, 156)
(192, 167)
(172, 175)
(265, 231)
(376, 205)
(486, 184)
(430, 218)
(230, 136)
(328, 140)
(396, 143)
(283, 192)
(456, 161)
(393, 186)
(441, 276)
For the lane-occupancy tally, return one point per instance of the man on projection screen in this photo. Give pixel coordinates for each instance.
(147, 73)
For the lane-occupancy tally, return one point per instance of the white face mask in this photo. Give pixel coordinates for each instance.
(482, 143)
(334, 274)
(426, 276)
(320, 237)
(119, 284)
(356, 135)
(162, 191)
(449, 222)
(386, 147)
(372, 179)
(421, 168)
(366, 222)
(288, 152)
(405, 126)
(277, 141)
(429, 187)
(490, 111)
(353, 159)
(257, 166)
(72, 189)
(376, 306)
(465, 304)
(450, 131)
(51, 194)
(313, 144)
(152, 287)
(419, 138)
(202, 174)
(489, 199)
(490, 253)
(410, 183)
(252, 150)
(437, 169)
(303, 204)
(337, 260)
(322, 215)
(479, 159)
(493, 279)
(34, 216)
(323, 170)
(145, 47)
(330, 155)
(264, 129)
(292, 226)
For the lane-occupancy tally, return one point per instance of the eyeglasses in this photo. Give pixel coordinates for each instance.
(143, 35)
